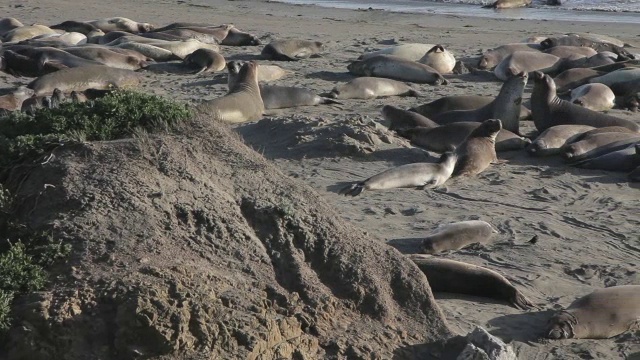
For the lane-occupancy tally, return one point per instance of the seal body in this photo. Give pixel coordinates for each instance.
(478, 150)
(279, 97)
(457, 235)
(440, 59)
(393, 67)
(552, 140)
(600, 315)
(205, 60)
(572, 78)
(418, 175)
(121, 24)
(108, 57)
(412, 51)
(525, 61)
(86, 77)
(291, 50)
(548, 109)
(236, 37)
(596, 97)
(493, 57)
(371, 88)
(270, 72)
(624, 160)
(26, 32)
(591, 142)
(508, 4)
(243, 101)
(571, 52)
(461, 278)
(400, 119)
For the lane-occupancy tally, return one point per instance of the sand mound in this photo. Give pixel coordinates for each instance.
(193, 246)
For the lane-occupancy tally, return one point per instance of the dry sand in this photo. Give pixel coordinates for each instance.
(586, 221)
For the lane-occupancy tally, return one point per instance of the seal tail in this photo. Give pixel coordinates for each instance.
(521, 302)
(198, 72)
(352, 190)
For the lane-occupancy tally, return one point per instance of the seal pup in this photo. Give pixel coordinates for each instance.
(572, 78)
(75, 26)
(460, 102)
(205, 60)
(291, 50)
(411, 51)
(596, 97)
(400, 119)
(461, 278)
(236, 37)
(372, 87)
(418, 175)
(493, 57)
(526, 61)
(548, 109)
(508, 4)
(440, 59)
(121, 24)
(85, 77)
(506, 107)
(393, 67)
(478, 150)
(243, 101)
(552, 140)
(458, 235)
(602, 314)
(448, 137)
(624, 160)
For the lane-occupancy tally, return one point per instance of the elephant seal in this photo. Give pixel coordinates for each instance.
(458, 235)
(205, 60)
(461, 278)
(478, 150)
(243, 101)
(393, 67)
(372, 87)
(121, 24)
(506, 107)
(493, 57)
(150, 51)
(8, 24)
(571, 52)
(183, 48)
(604, 149)
(13, 101)
(595, 61)
(588, 143)
(553, 139)
(26, 32)
(460, 102)
(440, 59)
(572, 78)
(412, 51)
(596, 97)
(508, 4)
(185, 34)
(291, 50)
(86, 77)
(601, 314)
(236, 37)
(280, 97)
(580, 41)
(634, 175)
(108, 57)
(56, 58)
(526, 61)
(618, 76)
(75, 26)
(448, 137)
(548, 109)
(624, 160)
(271, 72)
(405, 119)
(418, 175)
(599, 38)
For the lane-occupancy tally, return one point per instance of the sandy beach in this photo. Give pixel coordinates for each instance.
(586, 221)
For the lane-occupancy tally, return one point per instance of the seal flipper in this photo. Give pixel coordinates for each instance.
(521, 302)
(352, 190)
(324, 100)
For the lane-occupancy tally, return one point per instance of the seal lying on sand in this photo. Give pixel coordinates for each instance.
(412, 52)
(440, 59)
(419, 175)
(393, 67)
(526, 61)
(623, 160)
(572, 78)
(205, 60)
(405, 119)
(508, 4)
(13, 101)
(600, 315)
(457, 235)
(548, 109)
(478, 151)
(552, 140)
(86, 77)
(596, 97)
(461, 278)
(291, 50)
(595, 141)
(372, 87)
(121, 24)
(243, 101)
(493, 57)
(460, 102)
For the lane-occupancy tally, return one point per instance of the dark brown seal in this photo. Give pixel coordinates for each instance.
(478, 151)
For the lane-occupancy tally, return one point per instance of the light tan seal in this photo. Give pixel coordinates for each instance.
(596, 97)
(418, 175)
(243, 101)
(372, 87)
(478, 150)
(108, 57)
(572, 78)
(13, 101)
(458, 235)
(26, 32)
(86, 77)
(588, 143)
(396, 68)
(412, 51)
(602, 314)
(205, 60)
(291, 50)
(461, 278)
(440, 59)
(552, 140)
(508, 4)
(493, 57)
(526, 61)
(121, 24)
(271, 72)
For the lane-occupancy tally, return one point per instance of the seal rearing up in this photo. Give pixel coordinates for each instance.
(549, 110)
(243, 101)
